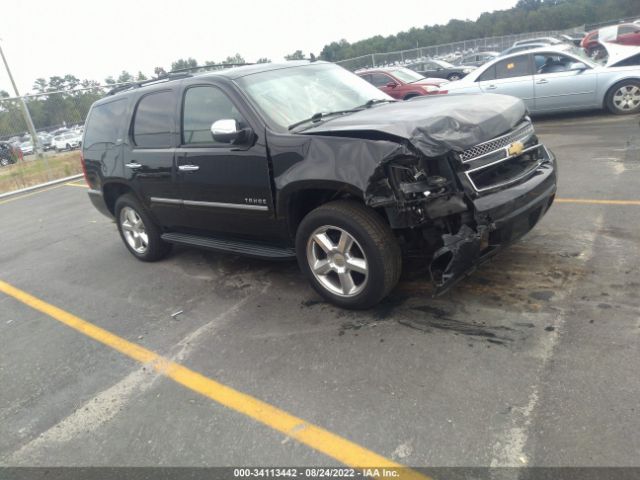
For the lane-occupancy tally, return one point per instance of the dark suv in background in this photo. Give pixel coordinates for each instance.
(308, 161)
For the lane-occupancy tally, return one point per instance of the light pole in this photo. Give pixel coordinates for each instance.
(25, 111)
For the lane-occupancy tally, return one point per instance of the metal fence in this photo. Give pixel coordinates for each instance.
(50, 111)
(27, 162)
(448, 51)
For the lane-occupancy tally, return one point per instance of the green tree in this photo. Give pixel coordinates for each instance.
(125, 77)
(141, 76)
(159, 71)
(182, 63)
(237, 58)
(263, 60)
(297, 55)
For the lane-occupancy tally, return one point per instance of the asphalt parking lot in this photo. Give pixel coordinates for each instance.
(533, 360)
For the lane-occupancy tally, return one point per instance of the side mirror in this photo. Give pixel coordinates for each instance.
(392, 84)
(228, 131)
(578, 66)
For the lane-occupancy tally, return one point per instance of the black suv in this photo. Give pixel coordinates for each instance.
(308, 160)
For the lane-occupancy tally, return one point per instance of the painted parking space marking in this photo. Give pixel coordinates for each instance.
(319, 439)
(73, 184)
(593, 201)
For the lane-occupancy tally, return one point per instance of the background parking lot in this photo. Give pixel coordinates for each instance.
(533, 360)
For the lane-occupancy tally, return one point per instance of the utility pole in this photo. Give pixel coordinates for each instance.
(27, 117)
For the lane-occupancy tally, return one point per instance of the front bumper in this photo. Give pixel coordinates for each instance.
(501, 218)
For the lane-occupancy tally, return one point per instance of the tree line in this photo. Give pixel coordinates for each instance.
(526, 16)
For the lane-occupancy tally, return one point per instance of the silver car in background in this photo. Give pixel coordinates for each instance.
(556, 79)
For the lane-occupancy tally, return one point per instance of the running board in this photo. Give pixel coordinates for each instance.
(239, 247)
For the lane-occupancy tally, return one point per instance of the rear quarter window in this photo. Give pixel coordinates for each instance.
(104, 124)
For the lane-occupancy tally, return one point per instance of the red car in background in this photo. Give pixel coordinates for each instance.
(624, 34)
(401, 83)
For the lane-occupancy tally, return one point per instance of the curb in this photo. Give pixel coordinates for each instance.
(41, 185)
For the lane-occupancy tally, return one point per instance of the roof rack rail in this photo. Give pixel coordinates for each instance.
(216, 66)
(163, 78)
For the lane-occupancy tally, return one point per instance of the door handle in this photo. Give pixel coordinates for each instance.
(491, 87)
(188, 168)
(133, 165)
(542, 81)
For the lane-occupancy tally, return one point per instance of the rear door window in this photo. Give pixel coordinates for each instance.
(104, 124)
(153, 124)
(513, 67)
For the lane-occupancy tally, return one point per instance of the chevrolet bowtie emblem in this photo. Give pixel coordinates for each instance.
(515, 148)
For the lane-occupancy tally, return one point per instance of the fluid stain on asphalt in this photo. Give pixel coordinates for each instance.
(440, 319)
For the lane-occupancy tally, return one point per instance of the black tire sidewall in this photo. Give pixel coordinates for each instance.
(609, 98)
(157, 248)
(375, 287)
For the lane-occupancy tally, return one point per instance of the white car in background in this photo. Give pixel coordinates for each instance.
(67, 141)
(26, 147)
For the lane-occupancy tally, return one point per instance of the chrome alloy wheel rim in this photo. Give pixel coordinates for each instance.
(627, 98)
(337, 261)
(133, 229)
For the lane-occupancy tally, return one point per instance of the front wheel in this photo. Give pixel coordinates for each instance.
(349, 254)
(454, 76)
(624, 98)
(4, 161)
(139, 233)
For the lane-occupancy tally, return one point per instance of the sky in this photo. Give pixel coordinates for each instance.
(93, 40)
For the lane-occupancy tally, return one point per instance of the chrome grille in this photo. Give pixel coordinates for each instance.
(521, 132)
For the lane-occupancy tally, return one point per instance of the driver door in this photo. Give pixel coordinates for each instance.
(225, 187)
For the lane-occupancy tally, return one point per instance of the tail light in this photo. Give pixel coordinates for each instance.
(84, 169)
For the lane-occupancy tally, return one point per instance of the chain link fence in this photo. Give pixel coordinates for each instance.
(58, 117)
(449, 51)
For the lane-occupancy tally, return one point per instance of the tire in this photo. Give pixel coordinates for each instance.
(135, 226)
(454, 76)
(68, 147)
(410, 96)
(344, 239)
(4, 162)
(624, 97)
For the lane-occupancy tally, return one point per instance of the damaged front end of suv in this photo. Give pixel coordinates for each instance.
(457, 177)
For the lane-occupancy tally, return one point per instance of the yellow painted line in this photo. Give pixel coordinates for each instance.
(71, 184)
(589, 201)
(18, 197)
(311, 435)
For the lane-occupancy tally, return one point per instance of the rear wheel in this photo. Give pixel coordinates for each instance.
(349, 254)
(139, 233)
(4, 161)
(624, 97)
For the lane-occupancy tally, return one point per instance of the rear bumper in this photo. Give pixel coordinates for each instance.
(501, 218)
(97, 199)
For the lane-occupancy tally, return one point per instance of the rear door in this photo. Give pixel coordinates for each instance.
(511, 76)
(557, 87)
(149, 156)
(225, 188)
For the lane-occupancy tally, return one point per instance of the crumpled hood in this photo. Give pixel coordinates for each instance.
(434, 124)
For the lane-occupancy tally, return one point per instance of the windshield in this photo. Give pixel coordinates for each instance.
(406, 75)
(580, 53)
(289, 95)
(443, 64)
